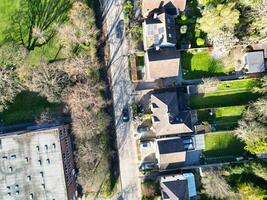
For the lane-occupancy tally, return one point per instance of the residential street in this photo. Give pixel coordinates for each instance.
(122, 89)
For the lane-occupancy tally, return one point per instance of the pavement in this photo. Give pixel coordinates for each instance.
(122, 90)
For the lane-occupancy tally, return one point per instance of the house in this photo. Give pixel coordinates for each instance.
(162, 63)
(254, 62)
(172, 7)
(178, 187)
(170, 153)
(159, 31)
(37, 164)
(169, 118)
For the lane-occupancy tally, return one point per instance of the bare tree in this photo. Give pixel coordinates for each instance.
(209, 84)
(81, 31)
(9, 86)
(215, 185)
(49, 81)
(34, 24)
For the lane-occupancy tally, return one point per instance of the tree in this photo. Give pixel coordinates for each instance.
(35, 23)
(215, 186)
(9, 86)
(262, 87)
(219, 23)
(128, 10)
(81, 32)
(216, 20)
(49, 81)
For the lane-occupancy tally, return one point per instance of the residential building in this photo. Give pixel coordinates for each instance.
(159, 31)
(170, 153)
(170, 117)
(254, 62)
(178, 187)
(162, 63)
(172, 7)
(37, 164)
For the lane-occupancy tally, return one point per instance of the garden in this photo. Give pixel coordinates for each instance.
(200, 64)
(189, 35)
(221, 144)
(222, 118)
(229, 93)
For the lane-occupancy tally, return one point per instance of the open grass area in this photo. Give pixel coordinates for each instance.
(224, 118)
(222, 144)
(200, 65)
(7, 7)
(229, 93)
(26, 107)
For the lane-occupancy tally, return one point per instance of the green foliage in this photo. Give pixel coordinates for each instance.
(128, 10)
(183, 17)
(200, 42)
(134, 109)
(216, 20)
(183, 29)
(135, 31)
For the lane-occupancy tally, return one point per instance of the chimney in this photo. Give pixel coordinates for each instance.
(155, 16)
(157, 47)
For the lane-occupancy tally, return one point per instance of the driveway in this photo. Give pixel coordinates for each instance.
(122, 90)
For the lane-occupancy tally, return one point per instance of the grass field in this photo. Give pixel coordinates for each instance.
(200, 65)
(7, 7)
(222, 144)
(229, 93)
(26, 107)
(225, 118)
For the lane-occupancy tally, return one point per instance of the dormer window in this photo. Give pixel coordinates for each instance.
(154, 105)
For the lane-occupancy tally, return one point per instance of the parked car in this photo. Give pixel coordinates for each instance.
(145, 145)
(142, 129)
(147, 166)
(125, 114)
(119, 29)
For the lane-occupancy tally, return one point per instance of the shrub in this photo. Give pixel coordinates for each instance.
(183, 29)
(200, 42)
(183, 17)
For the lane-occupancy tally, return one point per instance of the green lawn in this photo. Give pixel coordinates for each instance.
(225, 118)
(7, 7)
(26, 107)
(222, 144)
(200, 65)
(229, 93)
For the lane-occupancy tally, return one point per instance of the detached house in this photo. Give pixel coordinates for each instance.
(169, 118)
(172, 7)
(159, 31)
(178, 187)
(255, 62)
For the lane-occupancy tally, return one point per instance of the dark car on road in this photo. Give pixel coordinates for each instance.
(125, 114)
(119, 29)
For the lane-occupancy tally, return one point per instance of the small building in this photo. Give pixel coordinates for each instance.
(178, 187)
(37, 165)
(159, 31)
(170, 153)
(254, 62)
(162, 63)
(172, 7)
(169, 117)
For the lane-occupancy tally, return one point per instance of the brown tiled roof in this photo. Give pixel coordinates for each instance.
(163, 63)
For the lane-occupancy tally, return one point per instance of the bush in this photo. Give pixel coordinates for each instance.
(183, 29)
(183, 17)
(200, 42)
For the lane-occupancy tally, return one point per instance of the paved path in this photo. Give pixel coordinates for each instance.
(122, 90)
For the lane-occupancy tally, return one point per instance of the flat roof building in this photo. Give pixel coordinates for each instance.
(37, 165)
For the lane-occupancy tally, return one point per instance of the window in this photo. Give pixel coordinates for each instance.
(154, 105)
(42, 174)
(29, 178)
(46, 147)
(40, 162)
(156, 119)
(48, 161)
(10, 169)
(38, 148)
(26, 159)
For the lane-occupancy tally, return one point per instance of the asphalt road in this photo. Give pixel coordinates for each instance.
(122, 90)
